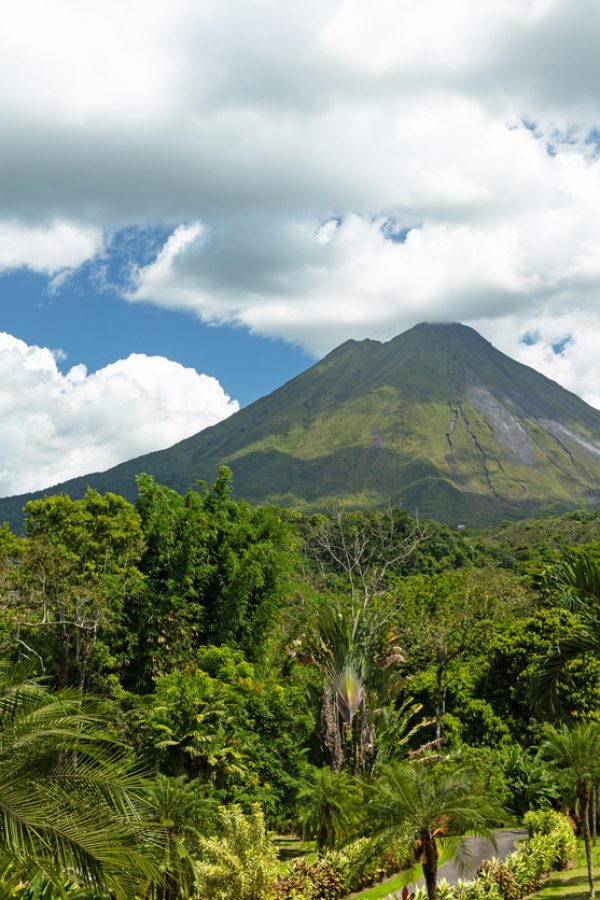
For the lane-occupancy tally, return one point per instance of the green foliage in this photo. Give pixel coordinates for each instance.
(328, 807)
(71, 583)
(357, 660)
(574, 583)
(514, 661)
(368, 860)
(310, 881)
(217, 571)
(492, 871)
(69, 801)
(239, 734)
(241, 862)
(183, 813)
(444, 621)
(530, 780)
(529, 546)
(204, 607)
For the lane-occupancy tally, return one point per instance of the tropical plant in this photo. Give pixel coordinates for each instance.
(576, 754)
(310, 881)
(69, 801)
(183, 812)
(428, 804)
(328, 807)
(530, 781)
(241, 862)
(357, 656)
(574, 584)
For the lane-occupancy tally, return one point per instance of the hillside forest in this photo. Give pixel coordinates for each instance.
(202, 698)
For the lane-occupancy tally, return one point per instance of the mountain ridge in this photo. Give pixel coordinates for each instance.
(435, 419)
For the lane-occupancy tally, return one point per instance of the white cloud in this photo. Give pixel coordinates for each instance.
(54, 426)
(47, 248)
(248, 125)
(564, 347)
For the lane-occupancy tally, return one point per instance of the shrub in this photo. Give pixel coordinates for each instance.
(484, 888)
(310, 881)
(503, 877)
(241, 862)
(446, 891)
(550, 846)
(556, 826)
(366, 861)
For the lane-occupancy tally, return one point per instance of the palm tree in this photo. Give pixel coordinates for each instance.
(356, 666)
(69, 801)
(328, 807)
(183, 813)
(425, 803)
(576, 753)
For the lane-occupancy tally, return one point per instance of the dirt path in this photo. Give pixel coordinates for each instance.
(479, 849)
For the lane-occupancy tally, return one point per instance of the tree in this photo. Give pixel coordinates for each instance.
(359, 554)
(69, 803)
(68, 587)
(183, 813)
(425, 803)
(441, 619)
(573, 584)
(532, 783)
(514, 670)
(222, 724)
(576, 753)
(356, 655)
(328, 807)
(216, 572)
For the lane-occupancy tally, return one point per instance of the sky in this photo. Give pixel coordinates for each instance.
(199, 198)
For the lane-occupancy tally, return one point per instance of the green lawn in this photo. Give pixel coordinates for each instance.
(290, 847)
(572, 884)
(384, 889)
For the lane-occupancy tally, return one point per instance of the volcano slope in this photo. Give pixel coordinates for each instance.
(436, 420)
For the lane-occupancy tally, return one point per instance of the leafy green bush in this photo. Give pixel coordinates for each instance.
(241, 862)
(366, 861)
(306, 881)
(550, 846)
(503, 877)
(556, 826)
(484, 888)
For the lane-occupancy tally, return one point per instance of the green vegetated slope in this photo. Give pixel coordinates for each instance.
(435, 420)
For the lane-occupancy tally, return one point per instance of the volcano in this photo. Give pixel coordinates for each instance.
(436, 420)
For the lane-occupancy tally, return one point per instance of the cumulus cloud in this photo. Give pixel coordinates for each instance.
(562, 345)
(328, 169)
(55, 426)
(47, 248)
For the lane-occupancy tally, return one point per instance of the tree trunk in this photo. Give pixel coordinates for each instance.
(63, 671)
(594, 802)
(584, 800)
(430, 866)
(438, 704)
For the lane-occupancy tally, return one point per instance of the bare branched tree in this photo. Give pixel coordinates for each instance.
(363, 548)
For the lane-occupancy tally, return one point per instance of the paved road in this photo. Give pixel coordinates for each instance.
(479, 849)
